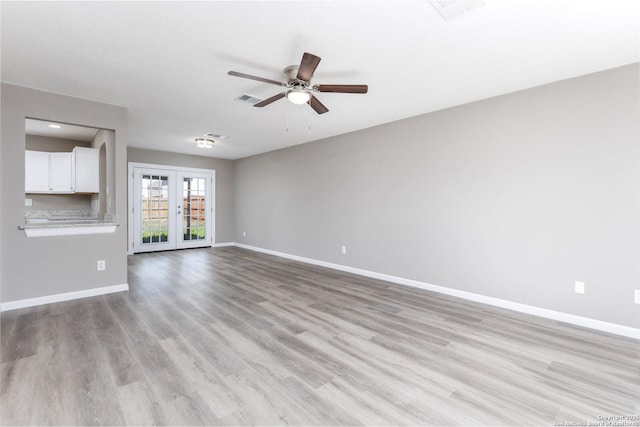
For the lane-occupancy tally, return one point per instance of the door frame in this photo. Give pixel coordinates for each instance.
(131, 204)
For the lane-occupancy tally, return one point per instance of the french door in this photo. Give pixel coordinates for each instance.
(171, 208)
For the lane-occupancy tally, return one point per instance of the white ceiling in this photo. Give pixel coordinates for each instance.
(59, 130)
(167, 62)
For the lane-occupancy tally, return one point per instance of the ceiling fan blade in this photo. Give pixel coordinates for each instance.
(317, 105)
(342, 88)
(270, 100)
(260, 79)
(308, 65)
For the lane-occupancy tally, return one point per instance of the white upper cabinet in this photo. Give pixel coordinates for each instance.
(36, 172)
(87, 170)
(62, 173)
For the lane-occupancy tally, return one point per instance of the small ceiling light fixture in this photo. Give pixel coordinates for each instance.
(204, 142)
(55, 126)
(298, 96)
(215, 135)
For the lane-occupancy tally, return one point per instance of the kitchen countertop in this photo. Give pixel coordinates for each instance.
(67, 227)
(66, 223)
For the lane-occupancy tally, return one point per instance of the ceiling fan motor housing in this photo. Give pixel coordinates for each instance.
(291, 72)
(292, 78)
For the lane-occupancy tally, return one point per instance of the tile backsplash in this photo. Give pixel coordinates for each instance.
(61, 214)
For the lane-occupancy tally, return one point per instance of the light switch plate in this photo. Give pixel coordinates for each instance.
(28, 202)
(579, 288)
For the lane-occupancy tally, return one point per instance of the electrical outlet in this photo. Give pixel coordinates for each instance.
(636, 296)
(28, 202)
(579, 288)
(101, 265)
(344, 250)
(244, 234)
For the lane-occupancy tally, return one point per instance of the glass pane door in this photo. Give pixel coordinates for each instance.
(155, 208)
(154, 219)
(194, 210)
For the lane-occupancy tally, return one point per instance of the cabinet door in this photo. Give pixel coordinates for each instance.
(61, 173)
(36, 172)
(87, 169)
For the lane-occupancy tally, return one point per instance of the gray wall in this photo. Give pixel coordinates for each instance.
(46, 202)
(514, 197)
(35, 267)
(50, 144)
(225, 215)
(106, 140)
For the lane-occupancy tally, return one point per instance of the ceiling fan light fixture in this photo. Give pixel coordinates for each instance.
(298, 84)
(204, 142)
(298, 96)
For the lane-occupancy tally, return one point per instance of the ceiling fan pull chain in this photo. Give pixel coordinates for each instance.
(309, 118)
(287, 115)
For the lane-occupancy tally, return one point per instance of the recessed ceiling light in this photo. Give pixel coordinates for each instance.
(55, 126)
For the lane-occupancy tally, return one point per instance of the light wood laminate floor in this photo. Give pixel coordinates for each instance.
(226, 336)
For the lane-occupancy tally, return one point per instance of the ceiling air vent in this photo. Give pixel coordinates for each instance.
(450, 9)
(245, 97)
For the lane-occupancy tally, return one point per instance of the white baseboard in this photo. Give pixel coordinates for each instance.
(222, 245)
(586, 322)
(31, 302)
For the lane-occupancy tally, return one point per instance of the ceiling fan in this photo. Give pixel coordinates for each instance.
(299, 87)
